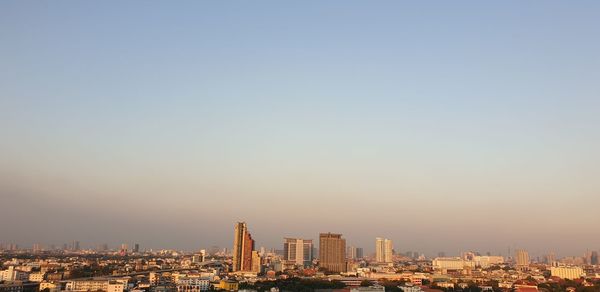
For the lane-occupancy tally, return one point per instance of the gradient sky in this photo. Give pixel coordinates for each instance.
(445, 126)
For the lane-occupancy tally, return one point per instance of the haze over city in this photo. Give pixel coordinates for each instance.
(449, 126)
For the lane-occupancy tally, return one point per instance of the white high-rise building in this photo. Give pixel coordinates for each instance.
(522, 258)
(383, 250)
(298, 251)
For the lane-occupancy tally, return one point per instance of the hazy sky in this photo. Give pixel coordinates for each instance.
(445, 126)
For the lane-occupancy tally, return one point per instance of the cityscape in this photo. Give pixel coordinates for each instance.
(298, 264)
(299, 146)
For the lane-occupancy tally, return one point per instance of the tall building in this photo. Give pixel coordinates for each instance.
(332, 252)
(359, 253)
(351, 252)
(550, 258)
(383, 250)
(256, 262)
(102, 247)
(594, 258)
(136, 247)
(75, 245)
(522, 258)
(243, 245)
(298, 251)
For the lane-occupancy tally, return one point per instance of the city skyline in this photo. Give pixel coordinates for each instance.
(508, 252)
(445, 128)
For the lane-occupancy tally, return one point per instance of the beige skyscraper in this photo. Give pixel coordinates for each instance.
(383, 250)
(332, 252)
(243, 245)
(522, 258)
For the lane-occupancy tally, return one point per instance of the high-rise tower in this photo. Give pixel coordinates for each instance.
(243, 245)
(522, 258)
(383, 250)
(298, 251)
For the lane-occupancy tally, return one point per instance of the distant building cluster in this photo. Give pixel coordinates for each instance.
(246, 268)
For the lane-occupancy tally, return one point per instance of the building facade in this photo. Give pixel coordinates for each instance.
(564, 272)
(243, 245)
(332, 252)
(383, 250)
(298, 251)
(522, 258)
(193, 284)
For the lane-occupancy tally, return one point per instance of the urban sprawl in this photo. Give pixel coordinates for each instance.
(300, 265)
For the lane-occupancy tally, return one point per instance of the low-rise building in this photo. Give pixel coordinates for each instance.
(193, 284)
(229, 285)
(95, 284)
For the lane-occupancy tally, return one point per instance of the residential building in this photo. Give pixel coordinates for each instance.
(36, 277)
(522, 258)
(193, 284)
(383, 250)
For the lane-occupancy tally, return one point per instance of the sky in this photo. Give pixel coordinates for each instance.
(444, 126)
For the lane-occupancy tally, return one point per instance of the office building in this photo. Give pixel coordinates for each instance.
(332, 252)
(298, 251)
(383, 250)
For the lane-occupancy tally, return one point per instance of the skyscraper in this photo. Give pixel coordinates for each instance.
(522, 258)
(383, 250)
(75, 245)
(332, 252)
(359, 253)
(298, 251)
(351, 252)
(243, 245)
(256, 262)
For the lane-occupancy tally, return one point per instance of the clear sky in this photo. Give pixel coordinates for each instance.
(445, 126)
